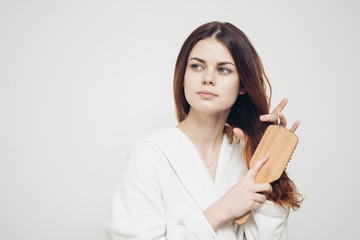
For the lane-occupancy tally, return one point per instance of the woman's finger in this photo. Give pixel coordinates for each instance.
(239, 134)
(262, 187)
(259, 198)
(295, 126)
(256, 205)
(269, 118)
(280, 107)
(282, 119)
(257, 166)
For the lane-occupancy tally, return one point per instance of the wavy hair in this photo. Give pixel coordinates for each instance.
(248, 107)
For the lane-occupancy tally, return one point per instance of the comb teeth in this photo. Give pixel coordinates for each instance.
(290, 157)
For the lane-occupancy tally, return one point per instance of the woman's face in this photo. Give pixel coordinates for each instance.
(211, 82)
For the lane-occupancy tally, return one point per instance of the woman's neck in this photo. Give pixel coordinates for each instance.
(206, 133)
(204, 130)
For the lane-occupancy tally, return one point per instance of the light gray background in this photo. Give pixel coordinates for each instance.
(80, 81)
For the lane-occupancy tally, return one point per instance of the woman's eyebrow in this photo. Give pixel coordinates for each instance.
(224, 63)
(198, 59)
(203, 61)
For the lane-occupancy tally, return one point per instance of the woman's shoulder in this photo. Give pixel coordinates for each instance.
(159, 134)
(162, 138)
(150, 144)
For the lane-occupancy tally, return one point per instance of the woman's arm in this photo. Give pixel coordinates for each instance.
(138, 207)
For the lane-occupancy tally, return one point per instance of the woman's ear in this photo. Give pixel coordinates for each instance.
(242, 91)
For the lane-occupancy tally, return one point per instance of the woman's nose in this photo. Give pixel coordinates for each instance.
(208, 79)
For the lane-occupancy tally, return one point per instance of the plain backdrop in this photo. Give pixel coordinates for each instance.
(81, 81)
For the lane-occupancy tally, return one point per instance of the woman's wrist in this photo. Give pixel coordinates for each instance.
(215, 216)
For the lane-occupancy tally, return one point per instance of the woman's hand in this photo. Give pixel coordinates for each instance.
(276, 117)
(240, 199)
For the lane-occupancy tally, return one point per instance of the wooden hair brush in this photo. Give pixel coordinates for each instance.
(280, 144)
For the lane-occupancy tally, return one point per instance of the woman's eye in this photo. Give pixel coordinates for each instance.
(196, 66)
(224, 70)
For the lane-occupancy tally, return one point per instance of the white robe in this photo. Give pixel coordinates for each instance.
(165, 188)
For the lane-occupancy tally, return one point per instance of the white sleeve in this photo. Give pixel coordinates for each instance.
(138, 208)
(269, 222)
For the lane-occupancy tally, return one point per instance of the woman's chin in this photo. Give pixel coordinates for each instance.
(209, 109)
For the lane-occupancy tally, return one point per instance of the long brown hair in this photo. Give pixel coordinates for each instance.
(248, 107)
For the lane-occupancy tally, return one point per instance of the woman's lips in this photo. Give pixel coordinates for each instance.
(207, 95)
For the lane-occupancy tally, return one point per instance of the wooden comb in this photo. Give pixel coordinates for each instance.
(280, 144)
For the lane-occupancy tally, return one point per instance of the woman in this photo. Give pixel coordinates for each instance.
(192, 181)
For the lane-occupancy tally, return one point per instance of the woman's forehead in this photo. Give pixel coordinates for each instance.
(211, 49)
